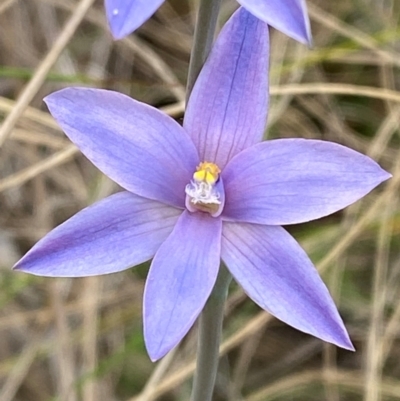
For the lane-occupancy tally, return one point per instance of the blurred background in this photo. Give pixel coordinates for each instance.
(81, 339)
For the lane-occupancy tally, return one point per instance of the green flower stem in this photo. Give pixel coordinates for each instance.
(210, 322)
(210, 330)
(204, 32)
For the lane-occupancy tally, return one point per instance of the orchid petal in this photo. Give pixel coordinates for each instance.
(227, 109)
(180, 280)
(287, 16)
(143, 150)
(289, 181)
(126, 16)
(277, 274)
(113, 234)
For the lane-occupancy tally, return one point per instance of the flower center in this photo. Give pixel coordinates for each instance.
(205, 192)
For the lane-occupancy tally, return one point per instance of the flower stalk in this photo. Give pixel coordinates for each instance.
(204, 32)
(210, 330)
(210, 321)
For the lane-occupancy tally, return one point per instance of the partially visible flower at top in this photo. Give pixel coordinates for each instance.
(202, 192)
(288, 16)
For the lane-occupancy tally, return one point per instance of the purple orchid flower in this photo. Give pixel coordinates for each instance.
(288, 16)
(202, 192)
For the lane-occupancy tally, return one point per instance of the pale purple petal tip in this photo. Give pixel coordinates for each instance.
(180, 280)
(290, 181)
(227, 110)
(142, 149)
(125, 16)
(287, 16)
(113, 234)
(278, 275)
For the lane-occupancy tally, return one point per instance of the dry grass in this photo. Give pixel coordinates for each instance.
(81, 339)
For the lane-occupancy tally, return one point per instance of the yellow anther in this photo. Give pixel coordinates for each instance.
(207, 172)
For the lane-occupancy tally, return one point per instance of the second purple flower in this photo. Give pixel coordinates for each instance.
(288, 16)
